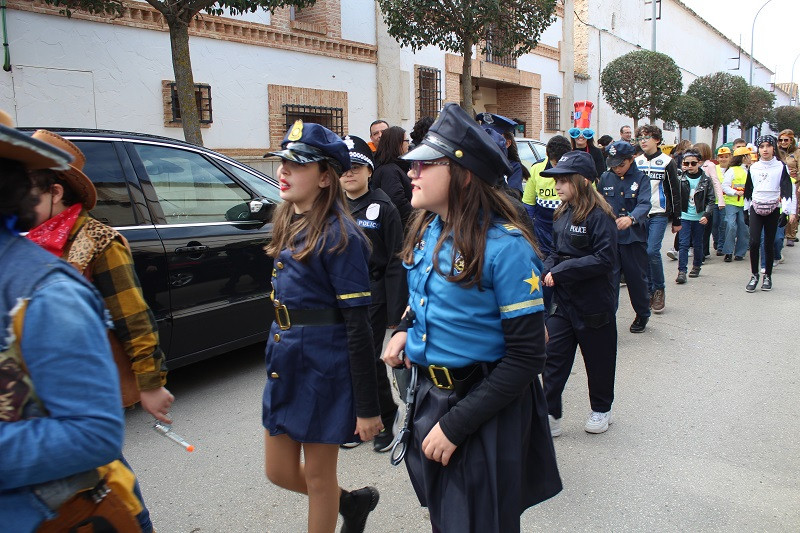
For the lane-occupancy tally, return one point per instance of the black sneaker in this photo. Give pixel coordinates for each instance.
(694, 272)
(639, 323)
(719, 253)
(383, 440)
(738, 258)
(681, 279)
(766, 285)
(728, 258)
(751, 287)
(355, 507)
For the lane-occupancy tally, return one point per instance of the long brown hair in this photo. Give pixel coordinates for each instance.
(330, 201)
(586, 198)
(472, 205)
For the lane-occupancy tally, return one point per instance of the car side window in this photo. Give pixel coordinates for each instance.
(190, 189)
(258, 184)
(525, 151)
(104, 169)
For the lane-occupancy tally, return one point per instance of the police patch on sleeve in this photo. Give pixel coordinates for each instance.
(516, 280)
(373, 211)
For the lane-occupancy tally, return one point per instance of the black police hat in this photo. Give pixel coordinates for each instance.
(456, 136)
(617, 152)
(498, 123)
(498, 139)
(309, 143)
(575, 162)
(359, 150)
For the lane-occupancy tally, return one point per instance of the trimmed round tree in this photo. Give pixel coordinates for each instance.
(641, 83)
(723, 95)
(686, 111)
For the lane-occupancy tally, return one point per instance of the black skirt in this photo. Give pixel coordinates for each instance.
(508, 465)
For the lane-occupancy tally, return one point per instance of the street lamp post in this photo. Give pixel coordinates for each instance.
(792, 95)
(752, 38)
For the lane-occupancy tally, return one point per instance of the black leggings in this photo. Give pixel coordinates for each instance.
(769, 224)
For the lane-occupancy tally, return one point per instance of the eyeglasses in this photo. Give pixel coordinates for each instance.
(587, 133)
(691, 163)
(784, 140)
(644, 138)
(416, 166)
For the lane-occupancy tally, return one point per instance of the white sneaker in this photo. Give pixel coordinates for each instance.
(672, 254)
(555, 426)
(763, 270)
(598, 422)
(691, 252)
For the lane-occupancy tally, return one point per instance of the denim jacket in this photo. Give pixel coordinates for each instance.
(65, 348)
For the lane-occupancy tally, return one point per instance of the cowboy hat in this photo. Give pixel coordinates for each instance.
(32, 153)
(74, 176)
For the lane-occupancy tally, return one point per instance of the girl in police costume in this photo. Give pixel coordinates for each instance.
(321, 385)
(480, 452)
(581, 271)
(377, 216)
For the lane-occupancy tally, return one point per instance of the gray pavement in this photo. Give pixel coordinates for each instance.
(705, 436)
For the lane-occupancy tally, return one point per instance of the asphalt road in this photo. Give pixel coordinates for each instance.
(705, 436)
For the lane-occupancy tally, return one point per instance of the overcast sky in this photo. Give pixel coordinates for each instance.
(777, 43)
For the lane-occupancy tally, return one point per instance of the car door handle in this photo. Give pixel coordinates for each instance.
(191, 249)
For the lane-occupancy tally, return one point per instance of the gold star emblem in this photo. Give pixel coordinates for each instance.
(533, 281)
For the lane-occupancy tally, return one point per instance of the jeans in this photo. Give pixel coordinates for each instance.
(655, 236)
(691, 234)
(718, 229)
(736, 231)
(143, 517)
(780, 234)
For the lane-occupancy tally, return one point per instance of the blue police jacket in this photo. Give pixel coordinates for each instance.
(456, 326)
(628, 195)
(583, 261)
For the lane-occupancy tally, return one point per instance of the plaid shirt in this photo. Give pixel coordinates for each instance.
(134, 324)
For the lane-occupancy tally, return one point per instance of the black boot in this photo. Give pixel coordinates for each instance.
(639, 324)
(355, 506)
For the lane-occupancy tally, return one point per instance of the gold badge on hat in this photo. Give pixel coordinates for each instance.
(458, 153)
(297, 131)
(458, 264)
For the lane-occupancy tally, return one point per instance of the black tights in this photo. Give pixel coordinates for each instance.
(769, 224)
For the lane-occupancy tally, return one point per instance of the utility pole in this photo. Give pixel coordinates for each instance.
(653, 15)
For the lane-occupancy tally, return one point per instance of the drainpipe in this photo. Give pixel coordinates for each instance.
(6, 53)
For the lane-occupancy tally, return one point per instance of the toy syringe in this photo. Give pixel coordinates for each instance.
(166, 430)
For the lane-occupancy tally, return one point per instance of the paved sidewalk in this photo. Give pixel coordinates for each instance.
(705, 436)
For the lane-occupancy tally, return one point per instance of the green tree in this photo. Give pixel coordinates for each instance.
(178, 14)
(510, 27)
(785, 117)
(757, 108)
(641, 83)
(686, 111)
(723, 96)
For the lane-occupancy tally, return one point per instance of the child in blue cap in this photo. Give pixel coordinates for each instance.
(321, 387)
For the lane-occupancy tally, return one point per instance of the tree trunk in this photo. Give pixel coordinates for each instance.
(466, 78)
(635, 125)
(680, 132)
(714, 134)
(184, 79)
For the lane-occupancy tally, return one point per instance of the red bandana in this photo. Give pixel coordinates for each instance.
(52, 234)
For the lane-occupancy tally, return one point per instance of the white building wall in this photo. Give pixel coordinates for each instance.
(358, 21)
(696, 48)
(74, 73)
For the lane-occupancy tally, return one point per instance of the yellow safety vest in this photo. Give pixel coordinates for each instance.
(739, 179)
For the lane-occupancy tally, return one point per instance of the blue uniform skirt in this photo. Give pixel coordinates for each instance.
(309, 391)
(508, 465)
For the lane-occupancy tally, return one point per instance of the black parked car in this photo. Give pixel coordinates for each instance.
(197, 222)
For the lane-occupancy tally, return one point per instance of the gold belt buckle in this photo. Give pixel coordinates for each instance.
(282, 317)
(441, 371)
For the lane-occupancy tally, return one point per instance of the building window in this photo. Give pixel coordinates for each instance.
(503, 60)
(202, 96)
(553, 113)
(330, 117)
(430, 91)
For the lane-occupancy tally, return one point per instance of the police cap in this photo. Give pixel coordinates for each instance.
(617, 152)
(310, 143)
(456, 136)
(498, 139)
(359, 150)
(498, 123)
(574, 162)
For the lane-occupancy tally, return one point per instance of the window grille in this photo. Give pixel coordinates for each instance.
(330, 117)
(202, 95)
(430, 91)
(506, 60)
(553, 113)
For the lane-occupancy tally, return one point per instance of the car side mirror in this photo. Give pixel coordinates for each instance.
(262, 209)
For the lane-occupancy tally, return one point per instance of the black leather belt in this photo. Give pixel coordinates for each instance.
(286, 318)
(657, 215)
(459, 380)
